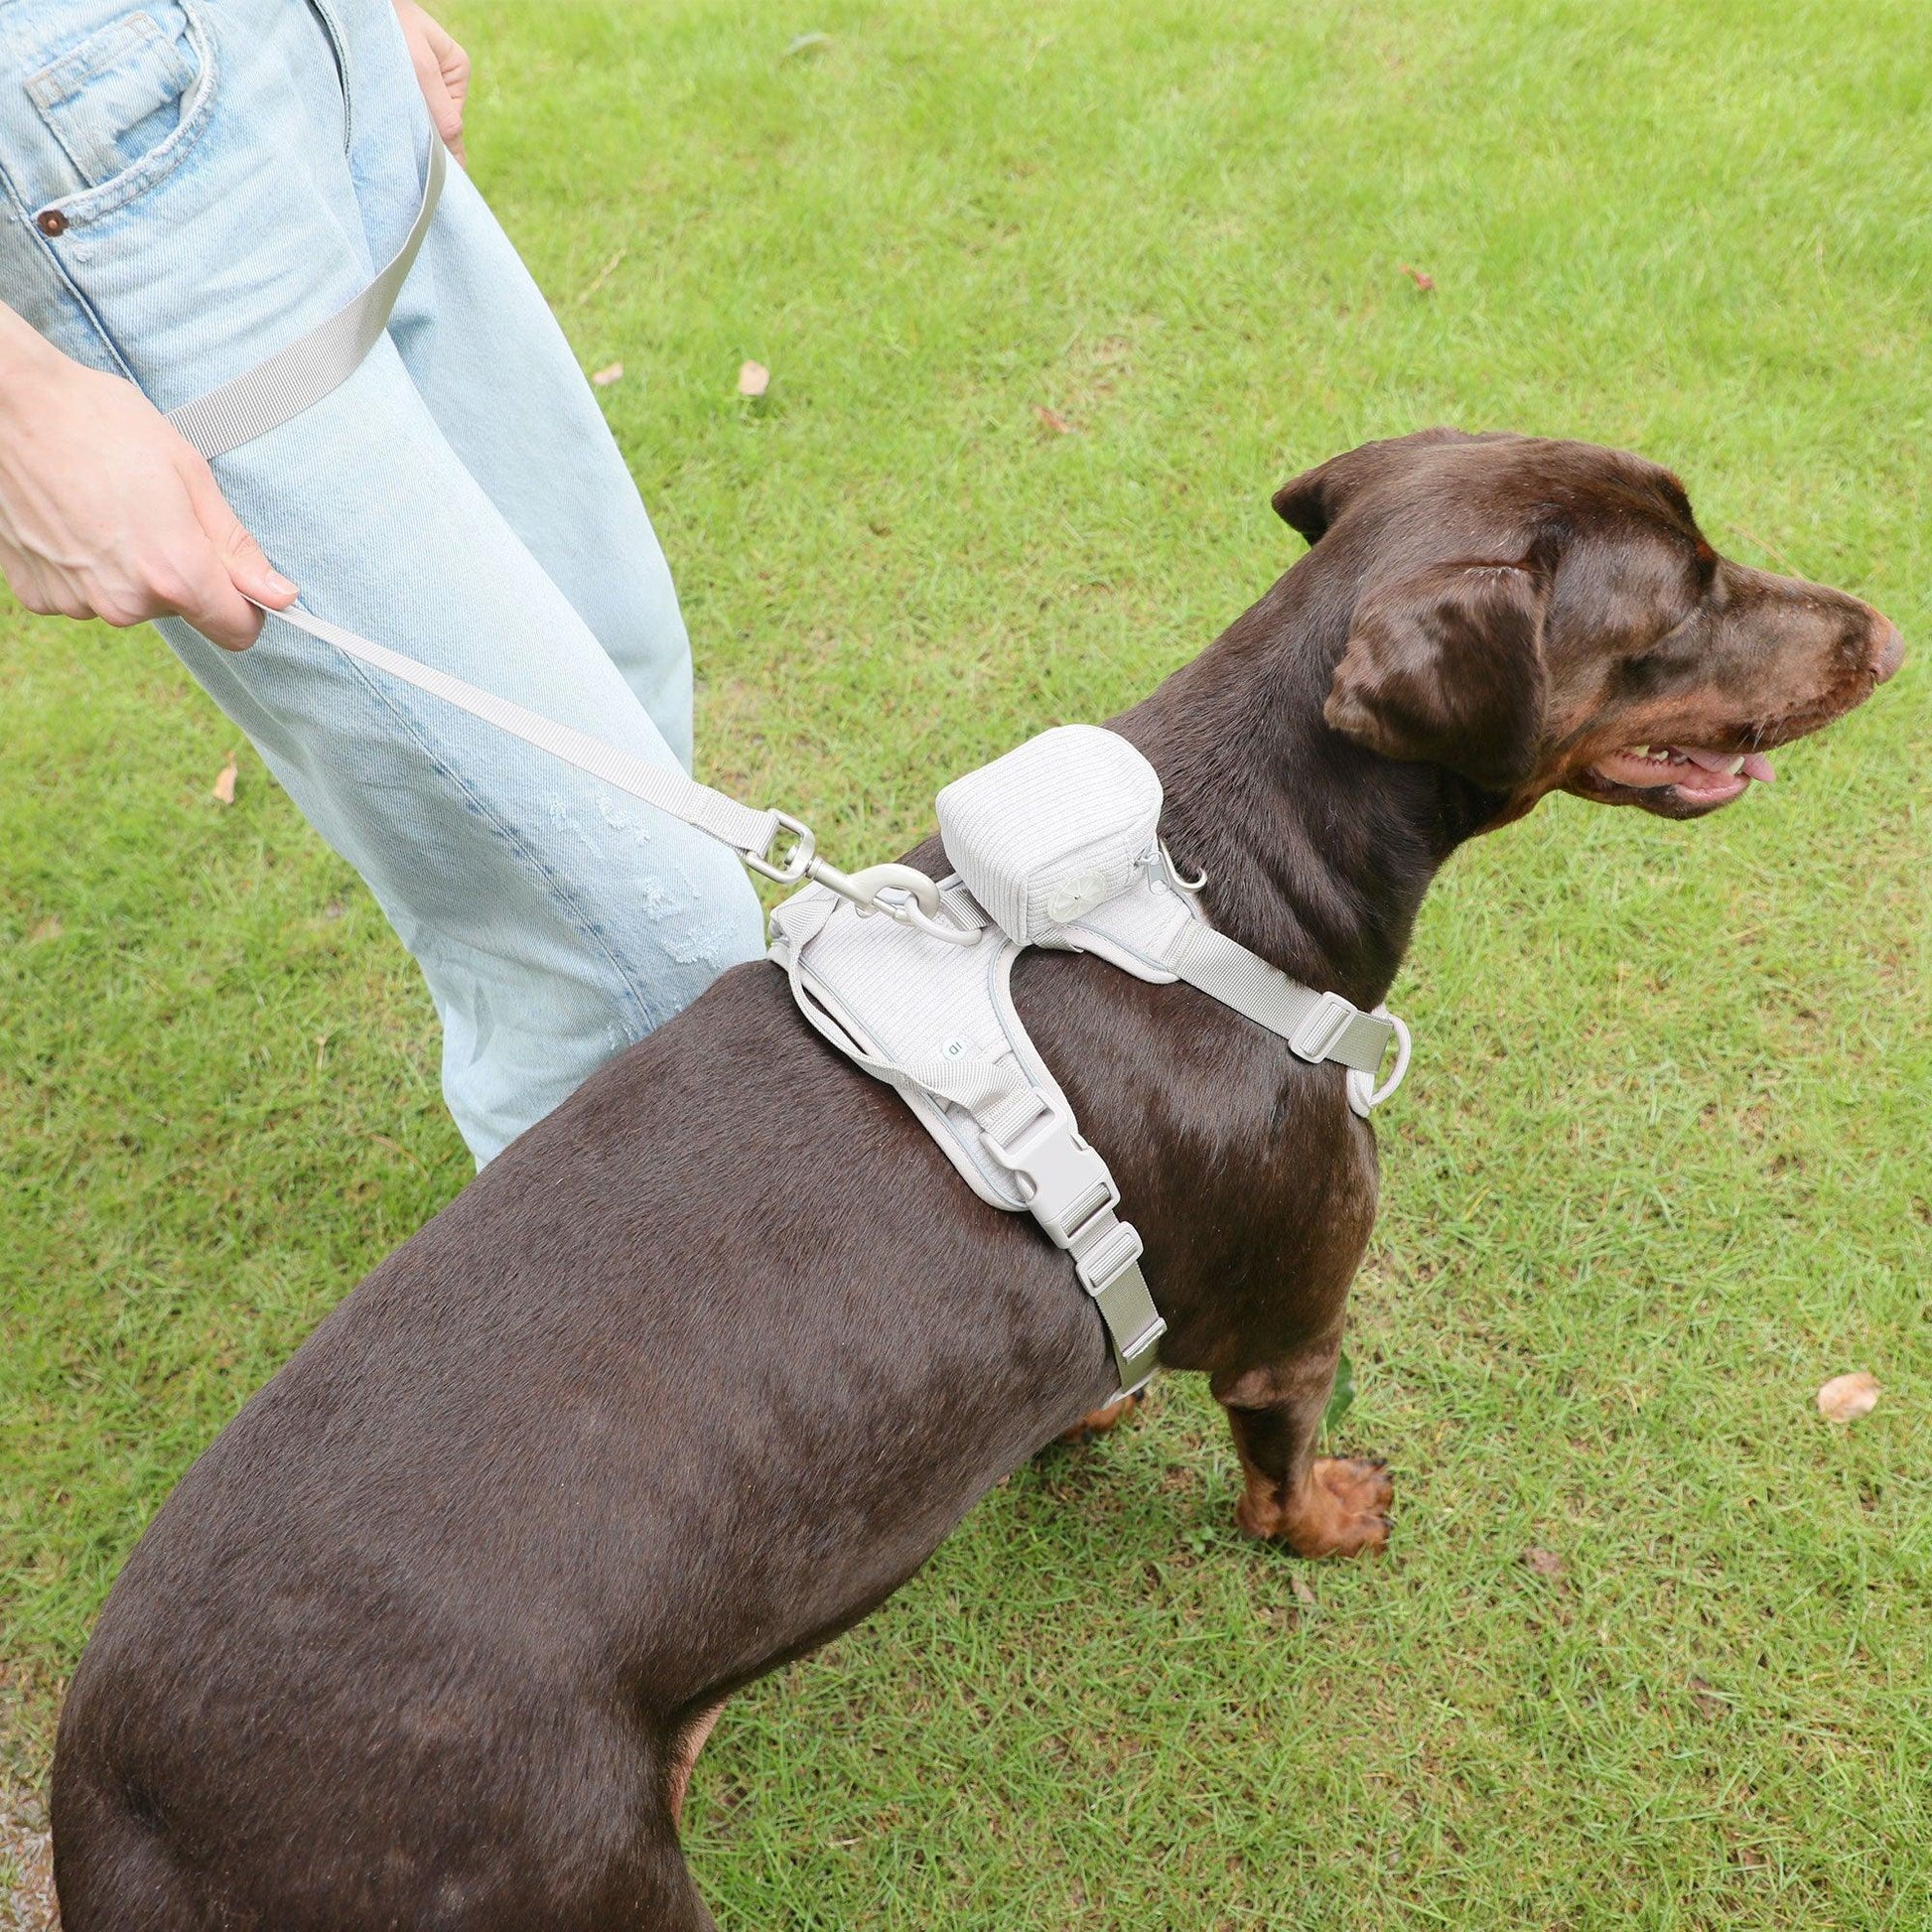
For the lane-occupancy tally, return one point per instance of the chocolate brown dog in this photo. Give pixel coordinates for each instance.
(695, 1374)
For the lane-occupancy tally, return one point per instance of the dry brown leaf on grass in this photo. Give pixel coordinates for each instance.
(754, 380)
(1546, 1563)
(1844, 1398)
(1053, 420)
(224, 782)
(48, 928)
(605, 376)
(1302, 1593)
(1425, 284)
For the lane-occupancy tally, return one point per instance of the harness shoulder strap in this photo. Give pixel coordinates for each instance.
(1154, 932)
(1317, 1026)
(936, 1023)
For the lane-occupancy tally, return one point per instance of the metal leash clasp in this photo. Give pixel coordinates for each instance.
(796, 863)
(922, 908)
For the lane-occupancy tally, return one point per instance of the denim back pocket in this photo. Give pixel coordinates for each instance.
(126, 94)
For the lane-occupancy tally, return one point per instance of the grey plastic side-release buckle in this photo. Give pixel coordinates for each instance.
(1062, 1180)
(1323, 1025)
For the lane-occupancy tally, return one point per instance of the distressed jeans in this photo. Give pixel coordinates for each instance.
(191, 184)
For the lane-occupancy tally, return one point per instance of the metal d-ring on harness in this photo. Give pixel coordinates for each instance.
(1055, 845)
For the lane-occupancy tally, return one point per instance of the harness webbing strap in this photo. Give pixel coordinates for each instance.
(748, 832)
(1063, 1183)
(1317, 1026)
(273, 392)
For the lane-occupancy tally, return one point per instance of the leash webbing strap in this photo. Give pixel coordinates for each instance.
(275, 391)
(748, 832)
(307, 369)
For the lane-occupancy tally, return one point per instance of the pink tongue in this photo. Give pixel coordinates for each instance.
(1756, 764)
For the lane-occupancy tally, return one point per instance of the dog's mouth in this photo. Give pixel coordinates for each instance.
(1688, 780)
(1677, 780)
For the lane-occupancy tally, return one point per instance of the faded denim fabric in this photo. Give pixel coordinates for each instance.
(191, 184)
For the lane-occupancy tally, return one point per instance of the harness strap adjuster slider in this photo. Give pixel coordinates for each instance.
(1109, 1258)
(1110, 1271)
(1322, 1027)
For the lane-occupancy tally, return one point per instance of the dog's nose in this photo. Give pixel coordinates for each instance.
(1891, 654)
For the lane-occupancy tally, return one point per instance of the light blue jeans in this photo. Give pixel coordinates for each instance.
(190, 183)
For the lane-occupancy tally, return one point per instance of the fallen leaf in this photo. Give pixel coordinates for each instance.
(224, 782)
(604, 377)
(806, 44)
(1425, 284)
(48, 928)
(754, 380)
(1053, 420)
(1844, 1398)
(1303, 1593)
(1546, 1563)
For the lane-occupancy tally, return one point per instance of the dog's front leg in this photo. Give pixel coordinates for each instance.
(1318, 1505)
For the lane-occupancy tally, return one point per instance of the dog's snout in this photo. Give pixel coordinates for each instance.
(1891, 651)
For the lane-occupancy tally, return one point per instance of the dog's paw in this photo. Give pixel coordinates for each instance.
(1102, 1420)
(1342, 1510)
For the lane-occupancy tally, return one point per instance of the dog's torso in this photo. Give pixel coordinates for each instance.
(692, 1377)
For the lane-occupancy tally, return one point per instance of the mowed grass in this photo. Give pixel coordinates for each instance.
(1662, 1165)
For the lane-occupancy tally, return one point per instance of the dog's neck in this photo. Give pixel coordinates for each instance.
(1317, 851)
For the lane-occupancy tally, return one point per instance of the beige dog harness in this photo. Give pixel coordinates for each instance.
(1056, 846)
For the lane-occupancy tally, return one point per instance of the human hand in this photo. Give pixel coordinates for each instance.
(106, 512)
(442, 72)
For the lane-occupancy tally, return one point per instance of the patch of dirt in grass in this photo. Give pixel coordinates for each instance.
(26, 1863)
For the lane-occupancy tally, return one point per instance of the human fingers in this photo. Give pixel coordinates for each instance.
(241, 556)
(442, 72)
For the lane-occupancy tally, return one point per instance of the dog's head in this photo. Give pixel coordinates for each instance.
(1538, 615)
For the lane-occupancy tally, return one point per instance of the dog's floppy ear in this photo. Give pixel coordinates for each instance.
(1317, 498)
(1445, 667)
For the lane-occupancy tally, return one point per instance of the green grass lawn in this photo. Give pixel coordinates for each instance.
(1662, 1165)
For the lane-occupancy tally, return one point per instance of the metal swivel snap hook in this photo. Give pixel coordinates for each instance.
(922, 908)
(1175, 876)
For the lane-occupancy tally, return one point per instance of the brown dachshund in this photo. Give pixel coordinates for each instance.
(706, 1364)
